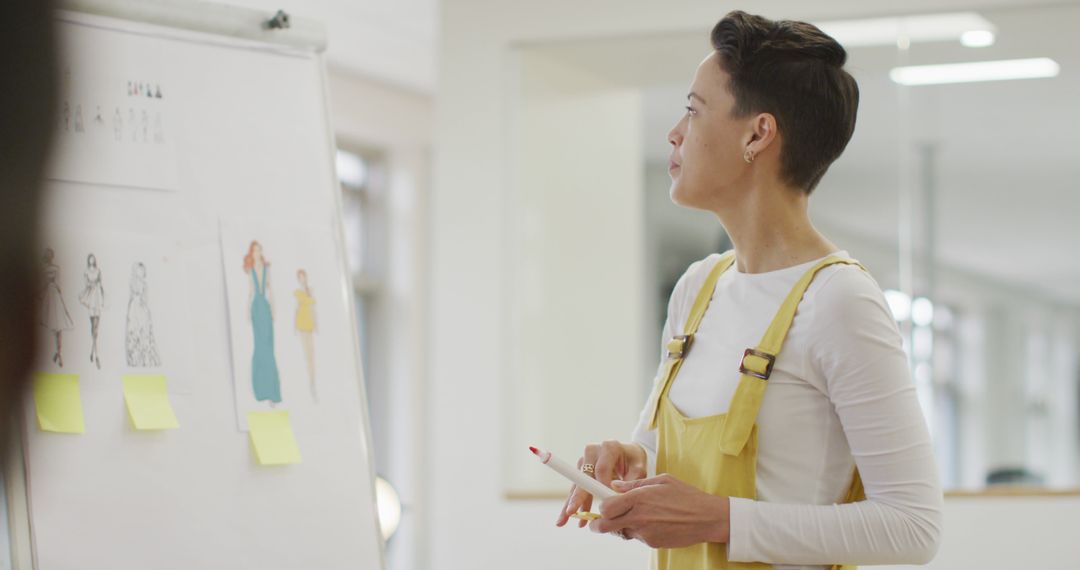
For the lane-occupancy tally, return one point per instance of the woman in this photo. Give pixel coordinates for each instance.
(28, 52)
(140, 344)
(305, 324)
(54, 313)
(264, 373)
(93, 298)
(755, 445)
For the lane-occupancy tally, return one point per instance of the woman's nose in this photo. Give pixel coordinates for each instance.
(674, 136)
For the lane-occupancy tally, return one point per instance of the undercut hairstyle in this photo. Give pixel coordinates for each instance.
(28, 101)
(795, 72)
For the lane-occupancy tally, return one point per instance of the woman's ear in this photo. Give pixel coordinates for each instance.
(764, 132)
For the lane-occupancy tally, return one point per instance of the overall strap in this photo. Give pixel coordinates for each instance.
(757, 364)
(679, 345)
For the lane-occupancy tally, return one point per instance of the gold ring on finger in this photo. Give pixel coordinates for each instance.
(589, 468)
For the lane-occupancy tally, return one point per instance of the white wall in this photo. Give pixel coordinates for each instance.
(397, 123)
(370, 112)
(471, 523)
(577, 302)
(389, 42)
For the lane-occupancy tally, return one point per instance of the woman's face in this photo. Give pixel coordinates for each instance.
(302, 278)
(256, 253)
(708, 143)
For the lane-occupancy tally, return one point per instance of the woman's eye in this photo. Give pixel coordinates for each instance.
(690, 110)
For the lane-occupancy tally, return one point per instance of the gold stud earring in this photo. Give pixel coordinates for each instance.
(748, 156)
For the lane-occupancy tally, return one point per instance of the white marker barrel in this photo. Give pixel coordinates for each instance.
(576, 476)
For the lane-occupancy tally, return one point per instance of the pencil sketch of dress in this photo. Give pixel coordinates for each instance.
(118, 125)
(93, 298)
(132, 125)
(265, 382)
(54, 313)
(140, 346)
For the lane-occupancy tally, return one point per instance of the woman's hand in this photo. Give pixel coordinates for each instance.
(664, 512)
(611, 461)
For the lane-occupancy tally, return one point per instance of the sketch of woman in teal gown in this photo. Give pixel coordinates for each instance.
(264, 373)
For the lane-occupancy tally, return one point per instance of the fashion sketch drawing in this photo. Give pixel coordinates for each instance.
(93, 298)
(54, 313)
(265, 382)
(305, 325)
(140, 345)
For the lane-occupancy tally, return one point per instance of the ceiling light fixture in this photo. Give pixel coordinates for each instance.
(977, 38)
(1034, 68)
(918, 28)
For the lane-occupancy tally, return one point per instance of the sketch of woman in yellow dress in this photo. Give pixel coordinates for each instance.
(54, 313)
(305, 324)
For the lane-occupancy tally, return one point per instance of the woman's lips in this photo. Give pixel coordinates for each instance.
(672, 165)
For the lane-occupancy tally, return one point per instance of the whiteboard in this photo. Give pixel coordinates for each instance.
(239, 136)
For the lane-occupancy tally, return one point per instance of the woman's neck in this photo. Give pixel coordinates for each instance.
(771, 229)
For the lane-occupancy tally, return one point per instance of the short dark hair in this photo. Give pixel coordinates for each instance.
(794, 71)
(28, 59)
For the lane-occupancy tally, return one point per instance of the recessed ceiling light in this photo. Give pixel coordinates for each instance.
(977, 38)
(976, 71)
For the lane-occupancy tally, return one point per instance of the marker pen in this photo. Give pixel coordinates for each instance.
(576, 476)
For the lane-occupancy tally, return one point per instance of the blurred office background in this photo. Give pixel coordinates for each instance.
(513, 246)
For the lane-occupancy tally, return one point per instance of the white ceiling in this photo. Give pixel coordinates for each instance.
(1007, 153)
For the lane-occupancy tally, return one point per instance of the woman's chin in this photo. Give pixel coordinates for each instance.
(677, 193)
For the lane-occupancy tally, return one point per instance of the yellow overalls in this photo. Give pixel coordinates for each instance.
(718, 454)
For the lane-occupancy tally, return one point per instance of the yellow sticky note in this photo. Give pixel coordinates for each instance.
(148, 402)
(272, 438)
(59, 406)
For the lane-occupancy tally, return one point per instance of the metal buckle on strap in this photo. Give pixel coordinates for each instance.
(769, 358)
(678, 346)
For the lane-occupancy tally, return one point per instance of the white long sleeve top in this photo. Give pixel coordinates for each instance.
(839, 395)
